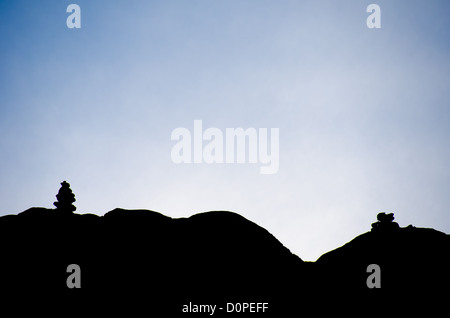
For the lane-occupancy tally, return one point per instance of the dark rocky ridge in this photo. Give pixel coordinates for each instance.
(142, 260)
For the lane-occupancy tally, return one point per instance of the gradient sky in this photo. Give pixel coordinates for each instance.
(363, 113)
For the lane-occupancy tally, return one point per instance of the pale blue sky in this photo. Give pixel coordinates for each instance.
(363, 113)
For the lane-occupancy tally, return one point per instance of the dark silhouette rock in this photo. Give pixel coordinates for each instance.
(140, 261)
(414, 264)
(143, 257)
(385, 222)
(65, 199)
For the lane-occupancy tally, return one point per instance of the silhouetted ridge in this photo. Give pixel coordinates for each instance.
(212, 251)
(414, 263)
(143, 257)
(232, 227)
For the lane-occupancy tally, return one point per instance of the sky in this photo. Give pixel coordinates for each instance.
(363, 113)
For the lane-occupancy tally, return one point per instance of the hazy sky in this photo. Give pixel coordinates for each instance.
(363, 114)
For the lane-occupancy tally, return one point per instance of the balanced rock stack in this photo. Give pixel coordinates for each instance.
(65, 199)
